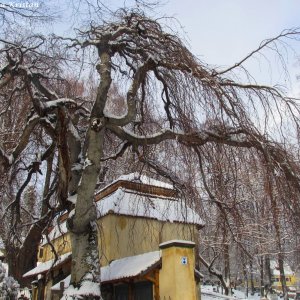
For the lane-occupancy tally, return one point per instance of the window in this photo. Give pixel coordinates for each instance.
(141, 291)
(121, 292)
(41, 253)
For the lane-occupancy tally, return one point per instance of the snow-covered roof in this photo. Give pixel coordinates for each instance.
(140, 178)
(177, 243)
(275, 268)
(57, 231)
(125, 202)
(43, 267)
(66, 282)
(127, 267)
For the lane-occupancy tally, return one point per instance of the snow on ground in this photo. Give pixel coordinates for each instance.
(209, 292)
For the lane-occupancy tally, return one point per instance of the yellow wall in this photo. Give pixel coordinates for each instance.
(177, 280)
(62, 245)
(122, 236)
(290, 281)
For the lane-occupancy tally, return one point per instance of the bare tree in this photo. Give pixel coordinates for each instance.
(171, 98)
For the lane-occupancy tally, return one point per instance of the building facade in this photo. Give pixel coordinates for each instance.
(147, 243)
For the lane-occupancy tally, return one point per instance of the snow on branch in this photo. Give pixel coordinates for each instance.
(59, 102)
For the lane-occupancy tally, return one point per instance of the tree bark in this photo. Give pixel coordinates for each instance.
(227, 270)
(282, 276)
(82, 225)
(251, 278)
(261, 266)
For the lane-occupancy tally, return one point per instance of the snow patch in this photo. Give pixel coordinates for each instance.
(87, 163)
(124, 202)
(87, 288)
(57, 231)
(177, 242)
(72, 213)
(129, 266)
(122, 268)
(137, 177)
(58, 102)
(73, 198)
(74, 131)
(43, 267)
(76, 167)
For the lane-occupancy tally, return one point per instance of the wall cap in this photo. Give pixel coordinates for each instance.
(177, 243)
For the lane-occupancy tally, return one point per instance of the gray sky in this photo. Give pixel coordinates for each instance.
(221, 32)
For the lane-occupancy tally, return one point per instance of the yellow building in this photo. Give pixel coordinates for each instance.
(290, 276)
(148, 238)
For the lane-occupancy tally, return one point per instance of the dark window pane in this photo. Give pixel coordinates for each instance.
(121, 292)
(143, 291)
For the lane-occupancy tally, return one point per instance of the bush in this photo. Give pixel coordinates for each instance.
(8, 285)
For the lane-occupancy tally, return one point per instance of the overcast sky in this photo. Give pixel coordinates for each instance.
(223, 31)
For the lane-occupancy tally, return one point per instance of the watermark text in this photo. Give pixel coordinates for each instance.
(26, 5)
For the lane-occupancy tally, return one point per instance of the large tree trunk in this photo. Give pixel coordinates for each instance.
(227, 270)
(282, 276)
(262, 282)
(268, 275)
(85, 276)
(82, 225)
(251, 278)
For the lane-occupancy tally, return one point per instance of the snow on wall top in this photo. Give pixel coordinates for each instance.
(123, 268)
(124, 202)
(137, 177)
(45, 266)
(177, 243)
